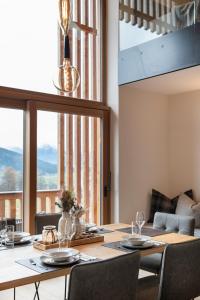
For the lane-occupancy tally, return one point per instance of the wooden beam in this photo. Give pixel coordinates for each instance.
(12, 94)
(30, 174)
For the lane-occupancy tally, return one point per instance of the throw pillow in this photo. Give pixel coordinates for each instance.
(161, 203)
(188, 207)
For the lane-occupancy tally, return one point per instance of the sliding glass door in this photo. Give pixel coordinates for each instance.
(69, 149)
(11, 164)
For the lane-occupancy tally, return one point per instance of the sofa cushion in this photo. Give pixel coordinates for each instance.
(161, 203)
(188, 207)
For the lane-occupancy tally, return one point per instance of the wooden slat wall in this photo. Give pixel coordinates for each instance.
(157, 15)
(82, 133)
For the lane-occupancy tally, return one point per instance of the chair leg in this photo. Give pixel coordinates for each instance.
(14, 293)
(36, 291)
(65, 291)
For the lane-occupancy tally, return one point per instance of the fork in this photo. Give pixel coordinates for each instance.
(33, 262)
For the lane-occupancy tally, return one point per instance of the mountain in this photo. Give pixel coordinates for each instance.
(48, 153)
(45, 153)
(9, 158)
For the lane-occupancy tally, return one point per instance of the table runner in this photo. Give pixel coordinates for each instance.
(145, 231)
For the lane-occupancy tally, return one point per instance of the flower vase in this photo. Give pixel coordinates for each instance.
(78, 227)
(63, 224)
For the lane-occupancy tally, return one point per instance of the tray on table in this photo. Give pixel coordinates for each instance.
(94, 238)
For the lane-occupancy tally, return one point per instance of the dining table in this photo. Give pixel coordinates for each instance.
(13, 274)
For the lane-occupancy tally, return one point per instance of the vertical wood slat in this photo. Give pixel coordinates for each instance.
(121, 13)
(173, 14)
(158, 27)
(61, 154)
(30, 178)
(74, 50)
(94, 123)
(163, 15)
(99, 171)
(133, 18)
(139, 8)
(79, 49)
(95, 198)
(13, 208)
(69, 151)
(146, 11)
(127, 15)
(100, 77)
(78, 157)
(2, 208)
(168, 12)
(86, 165)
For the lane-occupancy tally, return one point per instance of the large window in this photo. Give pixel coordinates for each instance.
(11, 163)
(30, 56)
(65, 138)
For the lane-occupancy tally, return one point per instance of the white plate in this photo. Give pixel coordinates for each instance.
(24, 240)
(147, 244)
(50, 261)
(61, 255)
(18, 235)
(89, 225)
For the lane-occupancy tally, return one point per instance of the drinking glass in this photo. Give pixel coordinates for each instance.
(140, 220)
(3, 224)
(70, 231)
(9, 236)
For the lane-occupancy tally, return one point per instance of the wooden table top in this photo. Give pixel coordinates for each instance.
(12, 274)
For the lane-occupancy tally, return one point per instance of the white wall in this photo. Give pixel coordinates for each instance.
(184, 142)
(143, 159)
(159, 147)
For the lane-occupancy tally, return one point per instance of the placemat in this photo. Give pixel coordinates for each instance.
(145, 231)
(117, 246)
(43, 268)
(103, 231)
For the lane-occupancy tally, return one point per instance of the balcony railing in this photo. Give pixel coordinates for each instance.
(11, 203)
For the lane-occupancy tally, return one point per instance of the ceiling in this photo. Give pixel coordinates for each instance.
(173, 83)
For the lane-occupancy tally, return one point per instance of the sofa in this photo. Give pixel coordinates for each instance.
(183, 205)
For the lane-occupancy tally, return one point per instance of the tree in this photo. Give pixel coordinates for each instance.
(8, 180)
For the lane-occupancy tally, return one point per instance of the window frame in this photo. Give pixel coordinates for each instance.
(31, 102)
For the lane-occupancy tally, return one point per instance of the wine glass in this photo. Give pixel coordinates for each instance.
(3, 224)
(140, 220)
(70, 231)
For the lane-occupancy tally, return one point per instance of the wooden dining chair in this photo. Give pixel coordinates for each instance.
(180, 273)
(114, 278)
(170, 223)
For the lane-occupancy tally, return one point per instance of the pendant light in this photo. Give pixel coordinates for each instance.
(67, 77)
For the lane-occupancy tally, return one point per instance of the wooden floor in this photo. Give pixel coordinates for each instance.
(49, 290)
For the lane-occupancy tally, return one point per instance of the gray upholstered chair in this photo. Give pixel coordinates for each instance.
(169, 223)
(180, 273)
(45, 219)
(114, 278)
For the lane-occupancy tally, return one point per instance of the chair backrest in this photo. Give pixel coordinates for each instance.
(180, 271)
(42, 220)
(174, 223)
(114, 278)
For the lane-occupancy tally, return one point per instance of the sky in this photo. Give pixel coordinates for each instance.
(28, 44)
(11, 128)
(28, 60)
